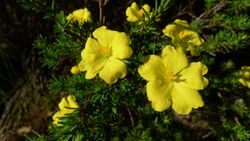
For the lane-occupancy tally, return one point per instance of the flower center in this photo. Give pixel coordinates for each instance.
(182, 34)
(105, 51)
(169, 75)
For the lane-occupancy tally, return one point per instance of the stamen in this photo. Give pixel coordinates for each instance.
(169, 75)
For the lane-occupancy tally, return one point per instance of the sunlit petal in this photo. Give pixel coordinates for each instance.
(159, 93)
(152, 69)
(185, 98)
(120, 46)
(63, 104)
(113, 70)
(192, 76)
(104, 37)
(174, 59)
(72, 102)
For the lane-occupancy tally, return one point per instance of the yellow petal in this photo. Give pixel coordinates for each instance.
(146, 7)
(190, 37)
(104, 36)
(192, 76)
(69, 17)
(174, 59)
(134, 6)
(72, 102)
(63, 104)
(152, 69)
(56, 117)
(113, 70)
(94, 65)
(87, 15)
(75, 70)
(181, 22)
(185, 98)
(170, 30)
(159, 93)
(132, 15)
(120, 46)
(91, 47)
(93, 59)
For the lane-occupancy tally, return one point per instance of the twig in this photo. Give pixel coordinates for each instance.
(216, 8)
(130, 115)
(101, 5)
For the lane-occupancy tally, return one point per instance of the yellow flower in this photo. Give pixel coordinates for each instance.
(181, 34)
(81, 16)
(66, 106)
(133, 12)
(172, 80)
(104, 54)
(245, 76)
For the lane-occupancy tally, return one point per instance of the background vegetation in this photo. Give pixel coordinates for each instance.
(38, 49)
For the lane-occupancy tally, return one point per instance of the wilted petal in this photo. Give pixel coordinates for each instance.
(120, 46)
(159, 93)
(185, 98)
(113, 69)
(152, 69)
(174, 59)
(192, 76)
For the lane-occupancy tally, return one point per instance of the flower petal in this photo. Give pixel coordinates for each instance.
(191, 37)
(75, 70)
(72, 102)
(185, 98)
(174, 59)
(172, 30)
(192, 76)
(146, 7)
(56, 117)
(92, 59)
(182, 22)
(152, 69)
(159, 92)
(91, 47)
(120, 46)
(132, 13)
(113, 70)
(63, 104)
(104, 36)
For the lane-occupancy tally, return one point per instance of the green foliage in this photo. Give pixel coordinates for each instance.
(236, 131)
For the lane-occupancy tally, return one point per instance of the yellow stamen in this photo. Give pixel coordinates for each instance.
(169, 75)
